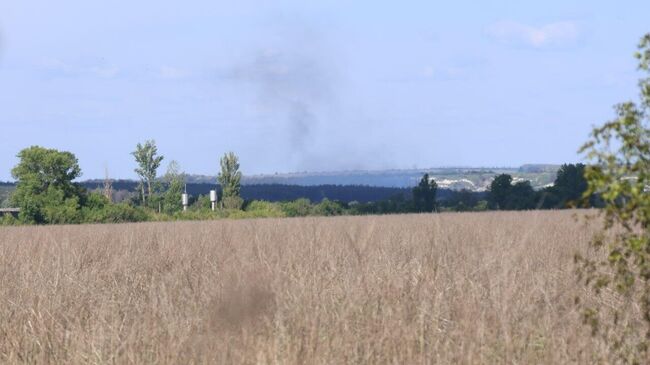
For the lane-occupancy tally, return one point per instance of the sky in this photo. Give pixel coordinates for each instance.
(313, 85)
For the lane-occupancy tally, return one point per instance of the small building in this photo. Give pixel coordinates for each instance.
(9, 211)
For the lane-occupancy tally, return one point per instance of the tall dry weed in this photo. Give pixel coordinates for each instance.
(449, 288)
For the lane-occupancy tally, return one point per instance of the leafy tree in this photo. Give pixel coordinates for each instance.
(521, 196)
(571, 182)
(568, 188)
(148, 163)
(230, 180)
(504, 195)
(45, 190)
(619, 173)
(499, 191)
(424, 195)
(174, 181)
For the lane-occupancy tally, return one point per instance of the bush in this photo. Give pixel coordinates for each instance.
(260, 209)
(202, 202)
(297, 208)
(200, 214)
(232, 202)
(328, 208)
(115, 213)
(481, 206)
(8, 220)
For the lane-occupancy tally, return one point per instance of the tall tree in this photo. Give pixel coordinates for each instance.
(45, 191)
(108, 186)
(424, 195)
(174, 181)
(499, 191)
(571, 181)
(230, 176)
(148, 163)
(568, 187)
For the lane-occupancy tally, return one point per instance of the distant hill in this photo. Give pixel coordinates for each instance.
(539, 168)
(454, 178)
(361, 186)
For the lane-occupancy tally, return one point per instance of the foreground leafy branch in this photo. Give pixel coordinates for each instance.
(619, 271)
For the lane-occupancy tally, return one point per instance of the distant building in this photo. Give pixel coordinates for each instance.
(9, 211)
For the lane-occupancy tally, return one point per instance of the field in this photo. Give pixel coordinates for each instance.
(449, 288)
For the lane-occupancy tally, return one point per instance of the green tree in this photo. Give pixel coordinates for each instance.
(571, 182)
(230, 180)
(521, 196)
(499, 191)
(45, 190)
(148, 163)
(619, 174)
(174, 182)
(568, 187)
(424, 195)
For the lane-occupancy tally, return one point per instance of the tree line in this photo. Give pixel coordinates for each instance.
(46, 193)
(504, 193)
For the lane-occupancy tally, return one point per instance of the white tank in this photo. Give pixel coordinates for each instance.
(185, 199)
(213, 196)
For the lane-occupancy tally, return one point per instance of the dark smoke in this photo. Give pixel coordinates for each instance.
(293, 82)
(301, 120)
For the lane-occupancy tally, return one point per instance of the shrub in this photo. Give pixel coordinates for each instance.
(328, 208)
(260, 209)
(8, 220)
(297, 208)
(232, 202)
(116, 213)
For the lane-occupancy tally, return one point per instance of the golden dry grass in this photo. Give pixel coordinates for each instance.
(475, 288)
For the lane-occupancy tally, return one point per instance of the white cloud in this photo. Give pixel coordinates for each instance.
(549, 35)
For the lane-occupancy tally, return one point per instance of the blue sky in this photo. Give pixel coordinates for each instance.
(305, 85)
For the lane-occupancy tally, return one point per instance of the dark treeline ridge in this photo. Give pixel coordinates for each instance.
(281, 192)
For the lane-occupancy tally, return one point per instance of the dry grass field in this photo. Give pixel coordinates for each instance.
(474, 288)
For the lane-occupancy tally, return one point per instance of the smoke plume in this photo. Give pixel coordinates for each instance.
(293, 84)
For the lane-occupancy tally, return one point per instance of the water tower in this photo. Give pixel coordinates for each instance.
(213, 198)
(185, 199)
